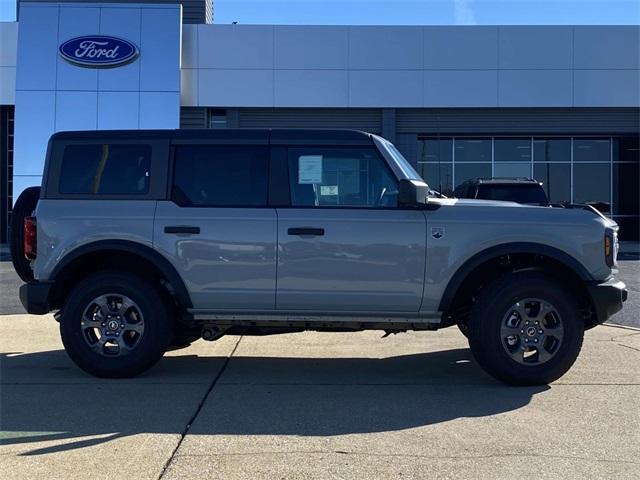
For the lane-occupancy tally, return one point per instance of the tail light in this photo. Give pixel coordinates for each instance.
(610, 246)
(30, 238)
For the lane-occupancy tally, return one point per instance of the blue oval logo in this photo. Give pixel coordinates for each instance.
(98, 51)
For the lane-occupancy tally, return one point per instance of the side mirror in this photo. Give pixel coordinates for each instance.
(412, 193)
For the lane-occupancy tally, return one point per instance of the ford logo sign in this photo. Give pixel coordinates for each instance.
(98, 51)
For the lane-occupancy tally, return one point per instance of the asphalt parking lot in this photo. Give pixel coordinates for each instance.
(317, 405)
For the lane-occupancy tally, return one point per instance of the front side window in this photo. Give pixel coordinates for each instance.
(105, 169)
(220, 176)
(340, 177)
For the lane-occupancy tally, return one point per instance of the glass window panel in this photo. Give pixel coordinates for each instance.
(629, 228)
(591, 183)
(551, 149)
(218, 118)
(591, 150)
(466, 171)
(512, 149)
(437, 150)
(221, 175)
(472, 149)
(109, 169)
(439, 176)
(556, 180)
(626, 185)
(626, 149)
(520, 193)
(340, 177)
(512, 170)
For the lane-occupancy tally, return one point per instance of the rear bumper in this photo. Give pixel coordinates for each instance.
(607, 298)
(35, 297)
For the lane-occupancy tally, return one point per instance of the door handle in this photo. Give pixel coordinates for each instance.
(306, 231)
(181, 229)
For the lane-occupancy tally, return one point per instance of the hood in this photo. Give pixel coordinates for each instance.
(540, 211)
(472, 202)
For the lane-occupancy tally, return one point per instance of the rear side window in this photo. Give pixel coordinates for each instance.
(105, 169)
(533, 194)
(221, 176)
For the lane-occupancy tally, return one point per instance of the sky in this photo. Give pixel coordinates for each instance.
(416, 12)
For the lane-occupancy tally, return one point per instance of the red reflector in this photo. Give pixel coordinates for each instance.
(30, 241)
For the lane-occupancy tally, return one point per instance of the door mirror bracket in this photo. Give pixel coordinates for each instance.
(412, 193)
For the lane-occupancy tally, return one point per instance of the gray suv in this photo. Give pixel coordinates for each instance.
(142, 241)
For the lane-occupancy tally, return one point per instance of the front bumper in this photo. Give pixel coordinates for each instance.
(35, 297)
(607, 298)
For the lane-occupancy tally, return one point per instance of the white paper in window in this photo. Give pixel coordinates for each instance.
(309, 169)
(328, 190)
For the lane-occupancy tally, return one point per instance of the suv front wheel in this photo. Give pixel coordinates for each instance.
(526, 329)
(115, 324)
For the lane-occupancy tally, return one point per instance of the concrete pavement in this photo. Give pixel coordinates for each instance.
(316, 405)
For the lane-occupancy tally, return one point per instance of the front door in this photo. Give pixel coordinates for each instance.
(343, 244)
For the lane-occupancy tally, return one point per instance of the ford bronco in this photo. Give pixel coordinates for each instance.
(142, 241)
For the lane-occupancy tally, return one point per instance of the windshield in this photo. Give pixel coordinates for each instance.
(513, 193)
(402, 162)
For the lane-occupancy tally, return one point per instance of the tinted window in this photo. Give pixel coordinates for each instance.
(626, 196)
(512, 170)
(591, 182)
(349, 177)
(473, 150)
(467, 171)
(437, 150)
(512, 150)
(108, 169)
(552, 149)
(220, 175)
(591, 150)
(556, 180)
(626, 149)
(513, 193)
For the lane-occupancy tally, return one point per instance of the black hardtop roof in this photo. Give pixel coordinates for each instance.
(243, 135)
(502, 181)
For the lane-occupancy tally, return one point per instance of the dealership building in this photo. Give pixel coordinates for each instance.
(557, 103)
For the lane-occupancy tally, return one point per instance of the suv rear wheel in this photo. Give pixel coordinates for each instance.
(526, 329)
(115, 325)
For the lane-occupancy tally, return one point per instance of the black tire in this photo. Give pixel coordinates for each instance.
(24, 207)
(147, 351)
(489, 312)
(464, 329)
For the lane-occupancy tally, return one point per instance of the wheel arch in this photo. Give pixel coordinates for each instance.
(75, 265)
(549, 257)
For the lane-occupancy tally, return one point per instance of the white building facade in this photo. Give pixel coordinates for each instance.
(560, 104)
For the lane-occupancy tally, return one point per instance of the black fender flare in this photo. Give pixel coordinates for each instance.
(147, 253)
(508, 249)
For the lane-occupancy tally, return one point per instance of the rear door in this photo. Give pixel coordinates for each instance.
(217, 228)
(343, 244)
